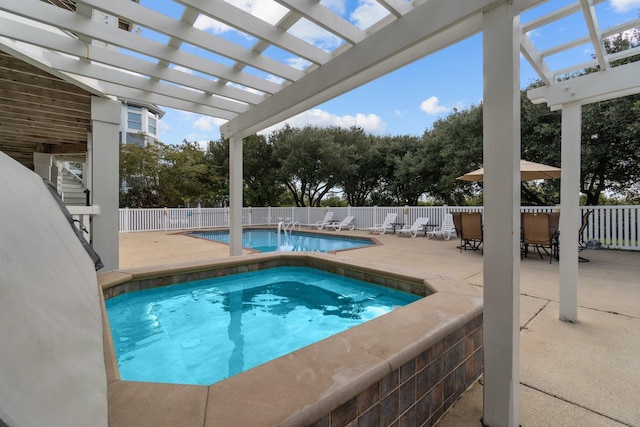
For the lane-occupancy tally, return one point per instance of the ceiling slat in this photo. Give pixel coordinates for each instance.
(115, 59)
(222, 11)
(148, 18)
(325, 18)
(69, 21)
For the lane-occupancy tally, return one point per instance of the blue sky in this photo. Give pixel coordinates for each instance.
(408, 100)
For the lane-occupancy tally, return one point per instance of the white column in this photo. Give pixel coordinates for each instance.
(104, 149)
(501, 151)
(570, 210)
(42, 163)
(235, 196)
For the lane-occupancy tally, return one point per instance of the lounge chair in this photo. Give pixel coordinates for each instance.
(413, 230)
(445, 229)
(345, 223)
(471, 233)
(386, 224)
(326, 222)
(537, 232)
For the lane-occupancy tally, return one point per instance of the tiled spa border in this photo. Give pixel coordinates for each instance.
(421, 390)
(147, 280)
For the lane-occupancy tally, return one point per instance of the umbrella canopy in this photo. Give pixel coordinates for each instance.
(529, 171)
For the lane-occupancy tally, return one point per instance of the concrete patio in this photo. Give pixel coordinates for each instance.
(582, 374)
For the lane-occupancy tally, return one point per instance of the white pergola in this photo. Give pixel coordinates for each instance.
(164, 53)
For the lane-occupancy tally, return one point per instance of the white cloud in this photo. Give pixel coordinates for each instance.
(370, 123)
(622, 6)
(205, 23)
(367, 13)
(183, 69)
(163, 127)
(431, 106)
(298, 63)
(207, 124)
(268, 11)
(315, 35)
(338, 6)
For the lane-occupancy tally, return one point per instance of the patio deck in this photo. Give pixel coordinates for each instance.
(584, 374)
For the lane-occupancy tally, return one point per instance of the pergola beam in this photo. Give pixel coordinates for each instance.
(594, 87)
(594, 33)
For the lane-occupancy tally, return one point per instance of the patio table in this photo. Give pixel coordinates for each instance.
(426, 227)
(396, 225)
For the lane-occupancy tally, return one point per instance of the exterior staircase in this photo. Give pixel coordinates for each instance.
(72, 189)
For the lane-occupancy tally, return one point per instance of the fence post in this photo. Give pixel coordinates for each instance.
(166, 215)
(125, 220)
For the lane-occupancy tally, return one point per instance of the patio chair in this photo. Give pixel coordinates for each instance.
(326, 222)
(537, 232)
(345, 223)
(413, 230)
(386, 224)
(445, 229)
(471, 234)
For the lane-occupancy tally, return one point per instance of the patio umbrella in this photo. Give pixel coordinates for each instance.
(529, 171)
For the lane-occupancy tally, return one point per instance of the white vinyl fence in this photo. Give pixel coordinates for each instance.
(615, 227)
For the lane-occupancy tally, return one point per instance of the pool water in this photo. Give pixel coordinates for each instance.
(266, 240)
(205, 331)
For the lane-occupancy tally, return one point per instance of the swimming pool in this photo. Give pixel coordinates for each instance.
(205, 331)
(266, 240)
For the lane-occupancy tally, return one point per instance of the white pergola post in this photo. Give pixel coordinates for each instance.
(570, 210)
(501, 158)
(235, 195)
(103, 147)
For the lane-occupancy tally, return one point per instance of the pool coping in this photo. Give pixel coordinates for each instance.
(301, 387)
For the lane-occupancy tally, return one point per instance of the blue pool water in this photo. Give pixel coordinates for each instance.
(266, 240)
(205, 331)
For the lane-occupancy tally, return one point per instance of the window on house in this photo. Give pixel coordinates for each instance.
(134, 118)
(152, 125)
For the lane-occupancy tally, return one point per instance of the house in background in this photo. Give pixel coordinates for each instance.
(139, 123)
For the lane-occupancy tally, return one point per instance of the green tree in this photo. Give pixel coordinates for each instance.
(454, 147)
(610, 147)
(260, 171)
(139, 170)
(359, 175)
(611, 134)
(309, 159)
(184, 176)
(402, 176)
(218, 164)
(540, 142)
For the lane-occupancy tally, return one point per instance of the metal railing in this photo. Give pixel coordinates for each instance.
(614, 227)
